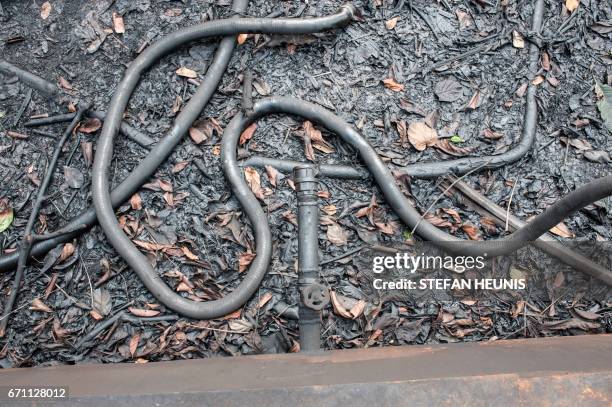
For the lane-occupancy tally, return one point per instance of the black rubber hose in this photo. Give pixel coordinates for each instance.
(104, 153)
(464, 165)
(159, 152)
(577, 199)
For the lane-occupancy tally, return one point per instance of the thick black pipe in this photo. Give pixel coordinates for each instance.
(33, 81)
(306, 185)
(100, 181)
(158, 154)
(464, 165)
(324, 170)
(577, 199)
(546, 242)
(129, 131)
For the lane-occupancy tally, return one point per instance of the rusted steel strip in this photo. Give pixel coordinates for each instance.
(567, 370)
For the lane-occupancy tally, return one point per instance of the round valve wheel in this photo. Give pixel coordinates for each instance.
(315, 296)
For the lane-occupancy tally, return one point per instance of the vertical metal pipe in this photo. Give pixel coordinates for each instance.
(306, 183)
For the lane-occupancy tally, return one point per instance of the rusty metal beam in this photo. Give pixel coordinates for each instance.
(562, 370)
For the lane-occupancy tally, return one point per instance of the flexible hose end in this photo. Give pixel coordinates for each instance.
(353, 11)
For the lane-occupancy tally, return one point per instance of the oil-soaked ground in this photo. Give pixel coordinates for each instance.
(196, 233)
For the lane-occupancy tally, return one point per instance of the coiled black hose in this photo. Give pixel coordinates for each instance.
(100, 183)
(554, 214)
(122, 192)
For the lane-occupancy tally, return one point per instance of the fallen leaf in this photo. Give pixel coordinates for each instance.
(391, 23)
(241, 39)
(390, 83)
(604, 93)
(65, 84)
(517, 40)
(329, 209)
(264, 299)
(448, 90)
(45, 10)
(492, 135)
(178, 167)
(247, 134)
(571, 5)
(245, 260)
(67, 251)
(90, 125)
(101, 301)
(262, 87)
(189, 254)
(538, 80)
(471, 231)
(139, 312)
(597, 156)
(134, 340)
(561, 230)
(136, 202)
(6, 215)
(336, 235)
(520, 92)
(421, 135)
(118, 24)
(592, 316)
(347, 307)
(545, 61)
(74, 178)
(316, 138)
(474, 101)
(165, 185)
(87, 150)
(451, 148)
(252, 178)
(272, 174)
(38, 305)
(186, 72)
(572, 323)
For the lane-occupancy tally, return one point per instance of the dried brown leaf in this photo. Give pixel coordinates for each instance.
(38, 305)
(186, 72)
(144, 313)
(245, 260)
(390, 83)
(247, 134)
(118, 24)
(421, 135)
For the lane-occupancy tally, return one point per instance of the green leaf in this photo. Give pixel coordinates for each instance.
(6, 218)
(605, 104)
(457, 139)
(407, 235)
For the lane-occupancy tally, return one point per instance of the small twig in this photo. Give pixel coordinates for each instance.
(509, 203)
(343, 255)
(27, 241)
(23, 107)
(426, 20)
(445, 191)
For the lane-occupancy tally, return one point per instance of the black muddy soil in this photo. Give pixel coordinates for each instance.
(377, 74)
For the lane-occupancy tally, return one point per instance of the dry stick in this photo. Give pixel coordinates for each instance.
(444, 192)
(510, 203)
(547, 243)
(26, 243)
